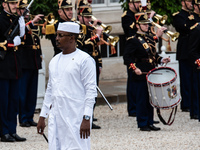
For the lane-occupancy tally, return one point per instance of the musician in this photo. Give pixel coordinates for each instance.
(10, 71)
(140, 55)
(196, 6)
(66, 14)
(194, 55)
(128, 25)
(31, 57)
(88, 39)
(182, 21)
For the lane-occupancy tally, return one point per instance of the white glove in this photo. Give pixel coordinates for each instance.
(17, 40)
(21, 26)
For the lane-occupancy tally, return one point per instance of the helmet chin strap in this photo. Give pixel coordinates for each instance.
(83, 20)
(9, 8)
(137, 9)
(141, 28)
(65, 14)
(187, 7)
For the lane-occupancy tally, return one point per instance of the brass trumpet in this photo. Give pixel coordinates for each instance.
(50, 18)
(107, 29)
(160, 18)
(112, 40)
(174, 36)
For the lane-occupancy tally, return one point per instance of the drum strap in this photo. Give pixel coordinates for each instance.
(169, 122)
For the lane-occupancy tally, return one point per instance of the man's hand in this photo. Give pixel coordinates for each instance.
(37, 18)
(85, 129)
(160, 31)
(99, 31)
(41, 125)
(166, 60)
(138, 71)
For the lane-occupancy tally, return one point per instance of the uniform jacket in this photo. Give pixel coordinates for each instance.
(31, 49)
(128, 23)
(71, 93)
(182, 21)
(10, 67)
(87, 41)
(144, 55)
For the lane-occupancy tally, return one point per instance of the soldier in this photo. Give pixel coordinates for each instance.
(128, 25)
(182, 23)
(196, 10)
(88, 39)
(31, 57)
(140, 55)
(10, 71)
(66, 14)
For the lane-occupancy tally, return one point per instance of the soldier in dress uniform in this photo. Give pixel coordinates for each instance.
(10, 71)
(182, 21)
(88, 38)
(196, 5)
(140, 55)
(128, 25)
(193, 50)
(66, 14)
(31, 57)
(194, 55)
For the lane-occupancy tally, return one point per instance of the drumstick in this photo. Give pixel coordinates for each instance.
(152, 73)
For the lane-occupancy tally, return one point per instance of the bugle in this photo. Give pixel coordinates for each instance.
(112, 40)
(49, 19)
(160, 18)
(107, 29)
(174, 35)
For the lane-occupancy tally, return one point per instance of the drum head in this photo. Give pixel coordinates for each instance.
(161, 76)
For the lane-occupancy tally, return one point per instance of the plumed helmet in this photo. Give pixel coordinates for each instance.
(141, 18)
(22, 4)
(64, 4)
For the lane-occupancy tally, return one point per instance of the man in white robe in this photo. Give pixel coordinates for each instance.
(70, 94)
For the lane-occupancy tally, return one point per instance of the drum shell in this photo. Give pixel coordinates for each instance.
(164, 95)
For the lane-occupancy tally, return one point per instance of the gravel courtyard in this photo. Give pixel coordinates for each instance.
(120, 132)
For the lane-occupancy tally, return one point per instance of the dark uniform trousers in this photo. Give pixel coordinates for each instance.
(194, 53)
(128, 25)
(10, 72)
(182, 21)
(141, 56)
(31, 63)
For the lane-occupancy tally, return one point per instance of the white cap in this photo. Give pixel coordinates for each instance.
(71, 27)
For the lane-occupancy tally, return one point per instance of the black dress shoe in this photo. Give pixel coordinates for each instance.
(94, 119)
(132, 115)
(94, 126)
(25, 124)
(185, 110)
(156, 122)
(153, 128)
(145, 128)
(194, 117)
(7, 138)
(17, 137)
(32, 123)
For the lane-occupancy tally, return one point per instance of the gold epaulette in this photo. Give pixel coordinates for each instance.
(132, 25)
(84, 30)
(194, 26)
(130, 38)
(124, 14)
(174, 14)
(50, 28)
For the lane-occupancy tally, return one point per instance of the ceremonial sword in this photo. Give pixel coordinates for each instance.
(104, 98)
